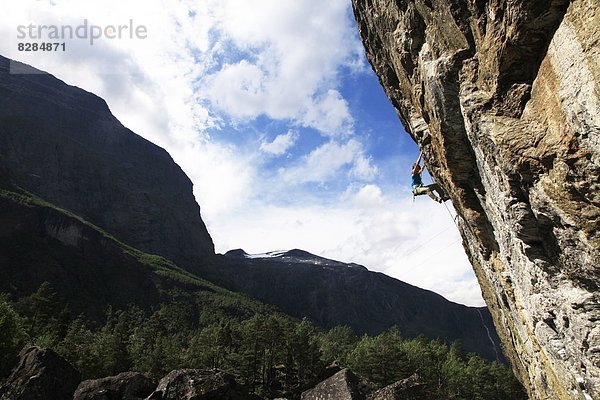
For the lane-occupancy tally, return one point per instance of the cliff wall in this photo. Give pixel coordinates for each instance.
(503, 97)
(62, 144)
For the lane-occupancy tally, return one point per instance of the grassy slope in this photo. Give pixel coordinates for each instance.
(98, 270)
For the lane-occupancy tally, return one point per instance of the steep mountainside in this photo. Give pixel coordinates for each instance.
(503, 97)
(332, 293)
(62, 144)
(88, 268)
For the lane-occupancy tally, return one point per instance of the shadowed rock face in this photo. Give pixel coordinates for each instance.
(407, 389)
(90, 271)
(193, 384)
(62, 144)
(503, 97)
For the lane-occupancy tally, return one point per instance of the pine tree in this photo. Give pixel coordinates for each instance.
(12, 335)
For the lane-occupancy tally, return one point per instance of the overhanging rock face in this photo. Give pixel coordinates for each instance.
(503, 97)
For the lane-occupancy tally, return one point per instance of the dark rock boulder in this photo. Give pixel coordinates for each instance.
(193, 384)
(125, 386)
(40, 374)
(329, 371)
(410, 388)
(342, 386)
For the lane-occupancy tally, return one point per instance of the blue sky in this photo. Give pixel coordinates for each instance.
(274, 113)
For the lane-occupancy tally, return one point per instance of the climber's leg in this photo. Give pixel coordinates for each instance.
(441, 194)
(421, 190)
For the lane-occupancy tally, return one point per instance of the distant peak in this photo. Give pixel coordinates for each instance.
(295, 256)
(236, 253)
(297, 253)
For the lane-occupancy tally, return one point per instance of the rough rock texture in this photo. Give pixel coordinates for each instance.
(62, 144)
(332, 293)
(40, 374)
(193, 384)
(503, 96)
(342, 386)
(407, 389)
(125, 386)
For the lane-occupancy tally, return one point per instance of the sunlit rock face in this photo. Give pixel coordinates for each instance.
(503, 97)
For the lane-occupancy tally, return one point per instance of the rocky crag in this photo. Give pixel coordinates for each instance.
(503, 97)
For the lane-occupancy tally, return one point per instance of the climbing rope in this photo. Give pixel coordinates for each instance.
(424, 243)
(424, 261)
(453, 218)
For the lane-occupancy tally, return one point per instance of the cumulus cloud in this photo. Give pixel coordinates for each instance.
(368, 196)
(323, 163)
(280, 144)
(327, 161)
(383, 230)
(292, 73)
(237, 89)
(363, 168)
(329, 114)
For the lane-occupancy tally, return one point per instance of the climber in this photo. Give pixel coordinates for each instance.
(419, 189)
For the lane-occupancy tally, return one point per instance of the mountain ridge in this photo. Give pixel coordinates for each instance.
(294, 255)
(89, 268)
(64, 145)
(333, 293)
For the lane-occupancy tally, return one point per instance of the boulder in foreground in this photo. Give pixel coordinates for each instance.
(344, 385)
(125, 386)
(194, 384)
(40, 374)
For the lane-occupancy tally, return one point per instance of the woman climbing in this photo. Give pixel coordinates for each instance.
(419, 189)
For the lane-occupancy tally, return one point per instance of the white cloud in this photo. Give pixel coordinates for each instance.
(329, 114)
(280, 144)
(414, 242)
(325, 163)
(222, 177)
(363, 168)
(237, 89)
(367, 196)
(297, 49)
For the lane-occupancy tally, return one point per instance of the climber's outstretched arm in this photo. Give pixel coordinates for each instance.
(416, 167)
